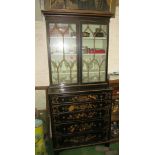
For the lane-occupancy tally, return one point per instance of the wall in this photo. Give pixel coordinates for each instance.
(113, 64)
(40, 99)
(41, 56)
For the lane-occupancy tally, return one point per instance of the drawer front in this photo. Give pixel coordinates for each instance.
(75, 107)
(82, 115)
(67, 141)
(78, 98)
(81, 127)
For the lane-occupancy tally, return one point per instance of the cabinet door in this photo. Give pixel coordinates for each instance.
(63, 53)
(94, 51)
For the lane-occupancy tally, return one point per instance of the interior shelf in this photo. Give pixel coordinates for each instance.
(96, 38)
(64, 73)
(90, 38)
(76, 54)
(62, 54)
(82, 72)
(95, 54)
(95, 72)
(58, 37)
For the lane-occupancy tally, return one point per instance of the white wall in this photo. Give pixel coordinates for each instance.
(41, 58)
(40, 99)
(41, 55)
(113, 62)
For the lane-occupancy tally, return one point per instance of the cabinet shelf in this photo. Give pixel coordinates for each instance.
(76, 72)
(62, 54)
(64, 73)
(95, 54)
(76, 54)
(94, 72)
(85, 38)
(96, 38)
(58, 37)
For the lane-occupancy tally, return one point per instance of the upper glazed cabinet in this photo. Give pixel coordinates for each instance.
(77, 41)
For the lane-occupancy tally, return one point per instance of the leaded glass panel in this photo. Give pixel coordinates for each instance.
(94, 49)
(63, 53)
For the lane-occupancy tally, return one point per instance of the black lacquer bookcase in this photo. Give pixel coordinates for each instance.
(79, 94)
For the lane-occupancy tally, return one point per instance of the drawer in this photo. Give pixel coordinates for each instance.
(81, 127)
(82, 115)
(67, 141)
(78, 98)
(73, 107)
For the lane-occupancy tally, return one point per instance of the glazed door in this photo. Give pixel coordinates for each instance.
(94, 52)
(63, 53)
(78, 51)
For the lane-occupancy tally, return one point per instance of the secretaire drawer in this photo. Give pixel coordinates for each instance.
(83, 106)
(80, 98)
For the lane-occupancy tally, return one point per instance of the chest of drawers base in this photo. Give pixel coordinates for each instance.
(80, 118)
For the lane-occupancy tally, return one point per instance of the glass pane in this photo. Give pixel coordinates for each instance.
(99, 5)
(94, 46)
(63, 53)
